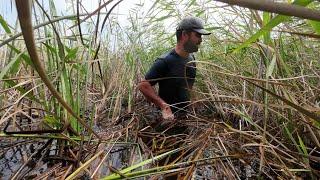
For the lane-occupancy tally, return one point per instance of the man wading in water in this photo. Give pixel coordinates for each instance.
(174, 72)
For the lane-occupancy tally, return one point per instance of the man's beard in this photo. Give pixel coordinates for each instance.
(190, 47)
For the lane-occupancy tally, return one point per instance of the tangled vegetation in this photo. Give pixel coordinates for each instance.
(69, 107)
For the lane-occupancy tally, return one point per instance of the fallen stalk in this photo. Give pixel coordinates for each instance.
(171, 166)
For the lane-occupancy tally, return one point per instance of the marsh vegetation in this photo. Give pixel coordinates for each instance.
(69, 107)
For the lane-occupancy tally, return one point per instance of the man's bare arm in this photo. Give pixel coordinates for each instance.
(148, 91)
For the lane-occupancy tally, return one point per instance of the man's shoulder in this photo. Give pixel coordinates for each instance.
(167, 55)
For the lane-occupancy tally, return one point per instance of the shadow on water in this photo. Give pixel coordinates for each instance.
(20, 156)
(29, 159)
(34, 158)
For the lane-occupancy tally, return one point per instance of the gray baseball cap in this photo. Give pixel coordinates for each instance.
(192, 23)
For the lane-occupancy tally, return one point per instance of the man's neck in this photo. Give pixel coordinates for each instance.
(180, 51)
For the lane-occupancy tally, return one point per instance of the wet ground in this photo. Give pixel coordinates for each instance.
(32, 159)
(133, 137)
(25, 158)
(19, 156)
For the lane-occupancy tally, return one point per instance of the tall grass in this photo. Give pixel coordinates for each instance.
(258, 71)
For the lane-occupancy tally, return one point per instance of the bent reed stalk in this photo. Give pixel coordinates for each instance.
(24, 14)
(276, 7)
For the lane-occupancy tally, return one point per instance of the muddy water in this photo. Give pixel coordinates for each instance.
(23, 155)
(14, 154)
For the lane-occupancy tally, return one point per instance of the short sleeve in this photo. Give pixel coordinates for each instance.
(157, 70)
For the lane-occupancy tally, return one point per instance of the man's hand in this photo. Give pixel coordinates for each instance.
(149, 92)
(167, 113)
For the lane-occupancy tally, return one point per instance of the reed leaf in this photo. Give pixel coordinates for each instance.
(270, 25)
(5, 25)
(302, 146)
(315, 25)
(271, 66)
(145, 162)
(266, 20)
(24, 56)
(289, 133)
(12, 64)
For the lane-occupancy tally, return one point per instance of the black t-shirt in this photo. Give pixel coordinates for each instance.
(175, 76)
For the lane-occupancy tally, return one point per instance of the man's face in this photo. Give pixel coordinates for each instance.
(192, 42)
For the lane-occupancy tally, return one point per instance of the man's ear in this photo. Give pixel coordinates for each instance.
(185, 34)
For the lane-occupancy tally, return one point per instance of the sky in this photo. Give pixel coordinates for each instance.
(64, 7)
(121, 13)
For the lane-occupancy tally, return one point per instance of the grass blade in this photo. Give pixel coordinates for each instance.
(268, 27)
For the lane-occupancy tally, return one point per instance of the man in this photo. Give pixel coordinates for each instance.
(174, 71)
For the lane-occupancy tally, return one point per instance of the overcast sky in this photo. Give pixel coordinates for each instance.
(8, 9)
